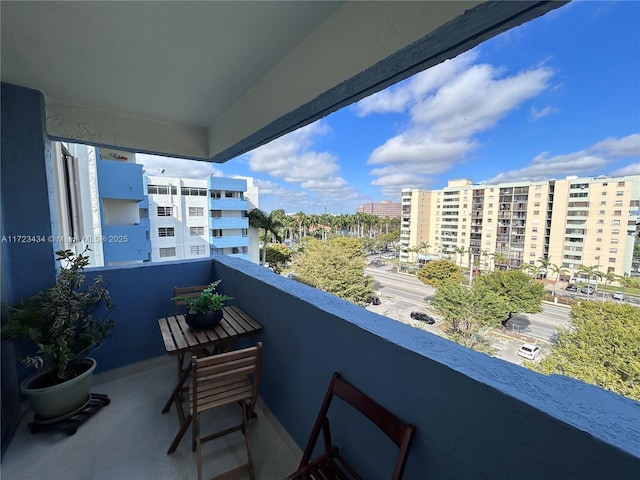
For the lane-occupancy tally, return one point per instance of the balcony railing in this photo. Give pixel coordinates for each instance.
(470, 410)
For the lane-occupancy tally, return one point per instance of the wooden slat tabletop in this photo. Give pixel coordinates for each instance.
(178, 337)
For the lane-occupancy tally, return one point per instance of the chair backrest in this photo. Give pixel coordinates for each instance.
(400, 433)
(185, 292)
(224, 378)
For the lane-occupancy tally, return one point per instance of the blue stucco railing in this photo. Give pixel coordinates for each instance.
(476, 416)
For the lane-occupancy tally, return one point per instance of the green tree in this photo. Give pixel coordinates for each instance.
(269, 224)
(601, 347)
(438, 272)
(335, 266)
(522, 294)
(470, 313)
(277, 256)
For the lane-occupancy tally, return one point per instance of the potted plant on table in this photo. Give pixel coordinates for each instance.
(65, 323)
(204, 310)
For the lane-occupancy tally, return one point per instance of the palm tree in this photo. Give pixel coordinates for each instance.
(558, 271)
(485, 254)
(590, 272)
(270, 224)
(544, 262)
(529, 269)
(461, 251)
(499, 258)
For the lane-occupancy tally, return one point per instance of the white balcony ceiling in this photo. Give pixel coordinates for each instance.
(211, 80)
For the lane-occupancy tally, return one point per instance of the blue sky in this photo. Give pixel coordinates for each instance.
(557, 96)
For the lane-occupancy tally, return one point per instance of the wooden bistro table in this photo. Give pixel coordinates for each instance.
(180, 340)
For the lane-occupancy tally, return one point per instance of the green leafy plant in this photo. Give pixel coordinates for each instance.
(207, 301)
(65, 322)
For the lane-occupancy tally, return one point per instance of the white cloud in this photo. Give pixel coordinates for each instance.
(292, 159)
(399, 97)
(590, 161)
(177, 167)
(628, 146)
(541, 113)
(449, 105)
(631, 169)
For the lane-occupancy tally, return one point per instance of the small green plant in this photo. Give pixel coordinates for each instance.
(65, 322)
(207, 301)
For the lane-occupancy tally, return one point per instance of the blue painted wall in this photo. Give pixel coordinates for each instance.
(27, 266)
(228, 184)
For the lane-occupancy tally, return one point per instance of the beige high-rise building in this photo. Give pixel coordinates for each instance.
(570, 222)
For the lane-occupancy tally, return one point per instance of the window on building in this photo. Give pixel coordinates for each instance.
(600, 222)
(615, 222)
(162, 189)
(598, 249)
(536, 204)
(604, 193)
(619, 193)
(165, 211)
(617, 213)
(634, 203)
(194, 191)
(534, 237)
(613, 250)
(600, 230)
(166, 252)
(166, 232)
(197, 249)
(536, 212)
(217, 232)
(598, 239)
(621, 184)
(600, 212)
(617, 203)
(216, 213)
(196, 211)
(603, 202)
(615, 231)
(245, 232)
(614, 241)
(196, 231)
(612, 260)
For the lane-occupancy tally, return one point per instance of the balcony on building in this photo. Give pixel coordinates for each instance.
(475, 416)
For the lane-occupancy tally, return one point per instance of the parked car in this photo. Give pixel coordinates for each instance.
(617, 296)
(529, 351)
(588, 290)
(571, 288)
(423, 317)
(375, 300)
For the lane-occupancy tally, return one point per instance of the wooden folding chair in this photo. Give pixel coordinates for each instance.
(330, 464)
(219, 380)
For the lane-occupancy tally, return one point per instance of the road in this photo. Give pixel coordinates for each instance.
(400, 294)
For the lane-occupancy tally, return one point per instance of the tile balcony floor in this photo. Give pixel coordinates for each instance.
(128, 439)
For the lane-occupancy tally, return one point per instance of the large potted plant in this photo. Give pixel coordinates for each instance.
(64, 323)
(204, 310)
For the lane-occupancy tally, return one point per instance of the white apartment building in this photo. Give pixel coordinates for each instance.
(192, 218)
(571, 222)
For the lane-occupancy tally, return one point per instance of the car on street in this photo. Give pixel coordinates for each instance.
(617, 296)
(375, 300)
(571, 288)
(588, 290)
(423, 317)
(529, 351)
